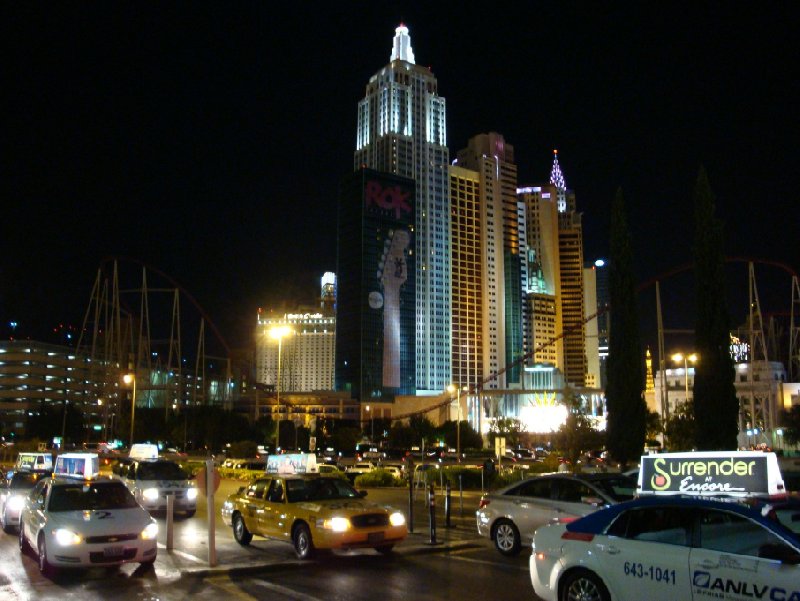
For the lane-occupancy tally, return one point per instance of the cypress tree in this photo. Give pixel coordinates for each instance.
(627, 411)
(714, 403)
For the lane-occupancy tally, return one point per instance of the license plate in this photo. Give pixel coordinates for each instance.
(374, 537)
(113, 551)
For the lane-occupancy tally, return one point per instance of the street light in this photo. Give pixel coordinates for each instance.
(451, 389)
(278, 333)
(371, 426)
(131, 379)
(678, 357)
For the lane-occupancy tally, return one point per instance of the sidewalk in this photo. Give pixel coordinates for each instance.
(189, 555)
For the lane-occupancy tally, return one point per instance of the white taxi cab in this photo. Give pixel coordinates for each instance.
(78, 519)
(668, 545)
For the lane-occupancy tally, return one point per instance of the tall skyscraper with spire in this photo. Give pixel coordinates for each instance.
(554, 283)
(570, 251)
(401, 130)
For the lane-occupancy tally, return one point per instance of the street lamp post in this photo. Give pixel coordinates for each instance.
(278, 333)
(678, 357)
(453, 388)
(131, 379)
(371, 426)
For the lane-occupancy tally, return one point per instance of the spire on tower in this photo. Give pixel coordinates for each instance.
(556, 177)
(401, 45)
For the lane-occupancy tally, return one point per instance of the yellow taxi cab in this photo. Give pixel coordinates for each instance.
(311, 511)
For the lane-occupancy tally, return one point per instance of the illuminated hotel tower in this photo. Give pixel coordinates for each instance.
(544, 322)
(570, 251)
(401, 130)
(500, 265)
(555, 277)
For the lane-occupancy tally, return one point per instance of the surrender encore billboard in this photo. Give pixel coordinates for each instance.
(738, 473)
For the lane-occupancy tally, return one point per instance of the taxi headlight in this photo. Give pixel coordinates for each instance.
(191, 494)
(150, 532)
(336, 524)
(150, 494)
(397, 519)
(65, 537)
(15, 503)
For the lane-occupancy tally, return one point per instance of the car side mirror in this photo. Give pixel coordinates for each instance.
(779, 552)
(362, 493)
(593, 501)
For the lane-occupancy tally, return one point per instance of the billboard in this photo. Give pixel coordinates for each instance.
(737, 473)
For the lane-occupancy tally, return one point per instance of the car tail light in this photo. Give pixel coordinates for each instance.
(566, 520)
(581, 536)
(483, 503)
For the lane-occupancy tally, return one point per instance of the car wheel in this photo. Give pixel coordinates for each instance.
(385, 549)
(240, 531)
(44, 565)
(506, 537)
(23, 542)
(6, 528)
(583, 585)
(303, 545)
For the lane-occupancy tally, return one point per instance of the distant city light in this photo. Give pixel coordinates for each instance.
(599, 263)
(543, 418)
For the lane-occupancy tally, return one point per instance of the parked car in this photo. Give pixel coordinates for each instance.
(12, 496)
(511, 515)
(363, 467)
(666, 548)
(78, 522)
(151, 480)
(311, 511)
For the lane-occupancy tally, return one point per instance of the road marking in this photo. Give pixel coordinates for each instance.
(182, 554)
(226, 584)
(456, 556)
(292, 594)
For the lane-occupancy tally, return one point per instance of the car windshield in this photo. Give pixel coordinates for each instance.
(160, 470)
(82, 496)
(24, 481)
(619, 488)
(318, 489)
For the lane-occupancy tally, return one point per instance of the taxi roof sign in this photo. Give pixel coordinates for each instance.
(34, 462)
(143, 451)
(77, 465)
(711, 473)
(295, 463)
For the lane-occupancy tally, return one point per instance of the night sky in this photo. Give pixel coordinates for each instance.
(208, 140)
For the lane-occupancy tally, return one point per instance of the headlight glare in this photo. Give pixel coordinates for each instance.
(397, 519)
(66, 538)
(337, 524)
(150, 532)
(191, 494)
(150, 494)
(15, 503)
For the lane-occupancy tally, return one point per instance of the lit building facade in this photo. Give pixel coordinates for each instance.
(34, 376)
(592, 337)
(570, 252)
(493, 160)
(543, 284)
(470, 362)
(306, 353)
(401, 130)
(376, 269)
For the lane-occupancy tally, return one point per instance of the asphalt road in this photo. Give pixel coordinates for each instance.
(460, 566)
